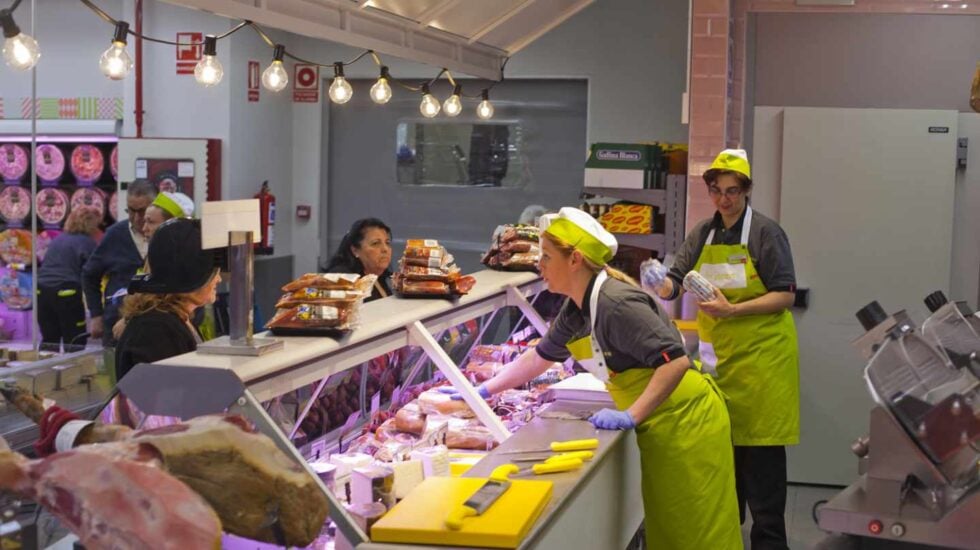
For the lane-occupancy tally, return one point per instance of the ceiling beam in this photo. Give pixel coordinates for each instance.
(558, 19)
(428, 16)
(345, 22)
(499, 21)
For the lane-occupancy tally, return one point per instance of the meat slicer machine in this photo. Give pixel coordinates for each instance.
(920, 464)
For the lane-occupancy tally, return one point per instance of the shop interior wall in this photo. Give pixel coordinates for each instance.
(632, 52)
(873, 61)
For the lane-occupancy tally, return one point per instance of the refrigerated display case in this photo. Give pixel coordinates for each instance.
(317, 396)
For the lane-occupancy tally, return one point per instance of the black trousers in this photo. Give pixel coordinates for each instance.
(61, 316)
(760, 481)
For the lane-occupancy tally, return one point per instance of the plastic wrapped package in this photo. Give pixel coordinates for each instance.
(416, 273)
(433, 262)
(435, 402)
(469, 434)
(520, 232)
(696, 284)
(312, 316)
(319, 296)
(514, 248)
(331, 281)
(480, 372)
(410, 419)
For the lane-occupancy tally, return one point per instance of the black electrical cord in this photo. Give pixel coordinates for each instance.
(813, 511)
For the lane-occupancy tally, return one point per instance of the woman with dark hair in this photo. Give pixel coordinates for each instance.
(60, 310)
(366, 250)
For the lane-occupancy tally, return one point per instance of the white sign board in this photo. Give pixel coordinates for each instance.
(220, 218)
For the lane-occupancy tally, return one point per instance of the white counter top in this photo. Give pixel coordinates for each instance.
(383, 328)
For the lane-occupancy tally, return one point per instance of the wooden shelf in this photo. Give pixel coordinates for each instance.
(655, 197)
(653, 241)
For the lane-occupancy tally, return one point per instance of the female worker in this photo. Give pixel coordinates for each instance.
(366, 250)
(166, 205)
(618, 332)
(747, 336)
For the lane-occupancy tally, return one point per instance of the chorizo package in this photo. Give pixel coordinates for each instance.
(327, 281)
(410, 419)
(469, 434)
(422, 288)
(415, 273)
(319, 296)
(435, 261)
(435, 402)
(311, 316)
(520, 232)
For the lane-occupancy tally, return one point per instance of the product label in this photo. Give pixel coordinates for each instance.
(613, 154)
(68, 433)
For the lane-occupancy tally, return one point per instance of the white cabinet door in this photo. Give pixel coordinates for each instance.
(867, 201)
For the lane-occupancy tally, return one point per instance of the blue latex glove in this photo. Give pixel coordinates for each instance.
(456, 396)
(652, 274)
(611, 419)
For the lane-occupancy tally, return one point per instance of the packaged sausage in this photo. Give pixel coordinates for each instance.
(327, 281)
(435, 402)
(410, 419)
(520, 246)
(415, 273)
(422, 288)
(463, 284)
(520, 232)
(470, 435)
(421, 243)
(319, 296)
(311, 316)
(435, 261)
(696, 284)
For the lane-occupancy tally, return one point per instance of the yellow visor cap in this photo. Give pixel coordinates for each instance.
(736, 160)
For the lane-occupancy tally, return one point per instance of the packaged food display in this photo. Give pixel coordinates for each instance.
(320, 301)
(324, 281)
(426, 271)
(13, 162)
(514, 248)
(435, 402)
(15, 204)
(49, 162)
(51, 204)
(87, 163)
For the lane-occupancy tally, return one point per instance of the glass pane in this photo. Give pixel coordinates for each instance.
(486, 154)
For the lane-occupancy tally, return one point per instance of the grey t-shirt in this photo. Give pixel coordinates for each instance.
(633, 331)
(768, 248)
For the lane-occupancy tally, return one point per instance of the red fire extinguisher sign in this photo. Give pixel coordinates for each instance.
(267, 214)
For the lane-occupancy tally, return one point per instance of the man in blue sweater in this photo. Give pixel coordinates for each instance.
(118, 257)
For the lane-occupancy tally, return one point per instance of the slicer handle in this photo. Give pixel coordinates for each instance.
(455, 518)
(575, 445)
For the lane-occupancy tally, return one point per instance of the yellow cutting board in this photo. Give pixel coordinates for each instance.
(420, 517)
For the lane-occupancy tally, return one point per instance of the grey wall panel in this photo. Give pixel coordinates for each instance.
(361, 167)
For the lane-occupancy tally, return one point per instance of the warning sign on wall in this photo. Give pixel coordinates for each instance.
(253, 80)
(306, 83)
(189, 50)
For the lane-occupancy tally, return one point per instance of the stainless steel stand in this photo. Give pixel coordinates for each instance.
(240, 312)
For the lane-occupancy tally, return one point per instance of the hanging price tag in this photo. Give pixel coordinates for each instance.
(351, 420)
(375, 403)
(396, 396)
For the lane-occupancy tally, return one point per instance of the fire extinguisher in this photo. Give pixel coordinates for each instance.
(267, 215)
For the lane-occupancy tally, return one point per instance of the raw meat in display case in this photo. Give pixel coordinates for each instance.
(87, 163)
(49, 162)
(13, 162)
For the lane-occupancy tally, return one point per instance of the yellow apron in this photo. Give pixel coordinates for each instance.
(755, 356)
(686, 458)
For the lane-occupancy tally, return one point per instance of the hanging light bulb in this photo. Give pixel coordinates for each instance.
(381, 91)
(340, 90)
(453, 106)
(208, 70)
(115, 63)
(19, 49)
(274, 77)
(430, 106)
(485, 109)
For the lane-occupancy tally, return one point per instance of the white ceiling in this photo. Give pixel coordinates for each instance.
(469, 36)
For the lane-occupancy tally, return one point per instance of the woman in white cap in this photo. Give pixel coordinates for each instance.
(167, 205)
(618, 332)
(747, 337)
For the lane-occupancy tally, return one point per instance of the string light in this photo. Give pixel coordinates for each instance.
(340, 90)
(115, 63)
(19, 50)
(430, 106)
(485, 109)
(453, 106)
(381, 91)
(275, 78)
(208, 70)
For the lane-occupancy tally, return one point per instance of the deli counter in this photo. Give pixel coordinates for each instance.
(323, 395)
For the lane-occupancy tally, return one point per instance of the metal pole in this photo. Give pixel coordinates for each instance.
(34, 322)
(240, 310)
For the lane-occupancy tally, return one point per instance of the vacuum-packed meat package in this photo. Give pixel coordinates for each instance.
(410, 419)
(520, 246)
(434, 261)
(520, 232)
(330, 281)
(415, 273)
(424, 251)
(422, 288)
(311, 316)
(469, 434)
(319, 296)
(435, 402)
(514, 248)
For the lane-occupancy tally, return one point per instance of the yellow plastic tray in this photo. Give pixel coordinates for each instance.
(420, 517)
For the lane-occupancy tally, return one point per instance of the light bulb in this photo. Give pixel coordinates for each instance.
(453, 106)
(208, 70)
(274, 77)
(430, 106)
(485, 109)
(381, 91)
(115, 63)
(340, 90)
(19, 50)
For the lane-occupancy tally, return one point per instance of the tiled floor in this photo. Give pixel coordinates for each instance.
(803, 532)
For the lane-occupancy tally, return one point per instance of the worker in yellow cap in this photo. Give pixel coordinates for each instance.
(747, 337)
(619, 333)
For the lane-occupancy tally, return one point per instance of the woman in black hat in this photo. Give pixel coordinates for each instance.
(161, 303)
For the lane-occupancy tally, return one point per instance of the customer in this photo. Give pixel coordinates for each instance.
(748, 337)
(60, 308)
(118, 257)
(161, 303)
(167, 205)
(366, 250)
(620, 334)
